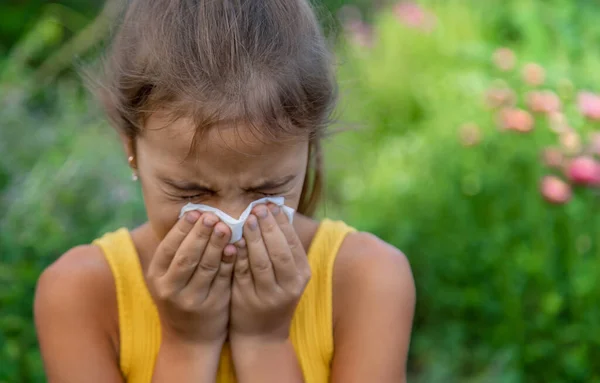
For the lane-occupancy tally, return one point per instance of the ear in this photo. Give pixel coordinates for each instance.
(129, 147)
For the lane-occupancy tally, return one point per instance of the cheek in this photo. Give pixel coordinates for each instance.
(161, 219)
(162, 215)
(292, 199)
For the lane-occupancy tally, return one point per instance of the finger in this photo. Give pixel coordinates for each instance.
(293, 241)
(171, 243)
(260, 264)
(242, 275)
(211, 260)
(190, 252)
(220, 289)
(277, 247)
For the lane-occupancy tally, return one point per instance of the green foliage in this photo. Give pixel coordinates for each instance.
(505, 281)
(18, 17)
(54, 196)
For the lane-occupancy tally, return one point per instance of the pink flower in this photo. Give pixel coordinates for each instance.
(558, 122)
(470, 134)
(584, 170)
(555, 190)
(498, 97)
(589, 105)
(504, 59)
(570, 141)
(543, 101)
(553, 157)
(516, 119)
(413, 15)
(534, 74)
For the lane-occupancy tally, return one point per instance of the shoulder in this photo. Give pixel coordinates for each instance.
(77, 287)
(373, 308)
(365, 259)
(368, 267)
(78, 272)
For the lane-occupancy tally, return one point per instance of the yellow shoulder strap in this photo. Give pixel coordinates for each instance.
(314, 313)
(139, 324)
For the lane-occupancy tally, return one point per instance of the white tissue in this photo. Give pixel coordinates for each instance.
(237, 225)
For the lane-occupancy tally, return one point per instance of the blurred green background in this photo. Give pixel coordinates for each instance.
(474, 162)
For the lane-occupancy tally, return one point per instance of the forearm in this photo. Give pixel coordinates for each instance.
(183, 363)
(265, 362)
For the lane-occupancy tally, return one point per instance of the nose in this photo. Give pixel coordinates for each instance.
(233, 208)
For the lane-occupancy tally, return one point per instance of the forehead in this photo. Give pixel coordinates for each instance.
(180, 141)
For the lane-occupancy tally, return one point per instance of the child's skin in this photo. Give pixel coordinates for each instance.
(207, 291)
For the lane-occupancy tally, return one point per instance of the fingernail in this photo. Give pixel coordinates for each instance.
(229, 251)
(227, 258)
(219, 232)
(252, 223)
(274, 209)
(192, 216)
(262, 212)
(241, 243)
(209, 221)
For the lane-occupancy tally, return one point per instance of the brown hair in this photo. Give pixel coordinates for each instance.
(260, 62)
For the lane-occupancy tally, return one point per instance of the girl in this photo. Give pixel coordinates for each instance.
(224, 102)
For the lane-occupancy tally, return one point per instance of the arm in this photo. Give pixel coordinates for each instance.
(266, 362)
(74, 335)
(374, 299)
(178, 362)
(76, 320)
(271, 273)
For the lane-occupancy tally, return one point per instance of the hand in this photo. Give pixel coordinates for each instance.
(271, 273)
(190, 280)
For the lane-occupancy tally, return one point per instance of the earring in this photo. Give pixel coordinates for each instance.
(134, 176)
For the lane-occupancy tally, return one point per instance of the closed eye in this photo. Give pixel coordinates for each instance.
(187, 191)
(192, 197)
(273, 187)
(269, 194)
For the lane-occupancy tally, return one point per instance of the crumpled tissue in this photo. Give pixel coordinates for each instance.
(237, 225)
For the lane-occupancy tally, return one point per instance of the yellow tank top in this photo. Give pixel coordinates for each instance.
(139, 324)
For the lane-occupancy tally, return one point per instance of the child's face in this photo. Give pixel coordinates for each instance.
(227, 168)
